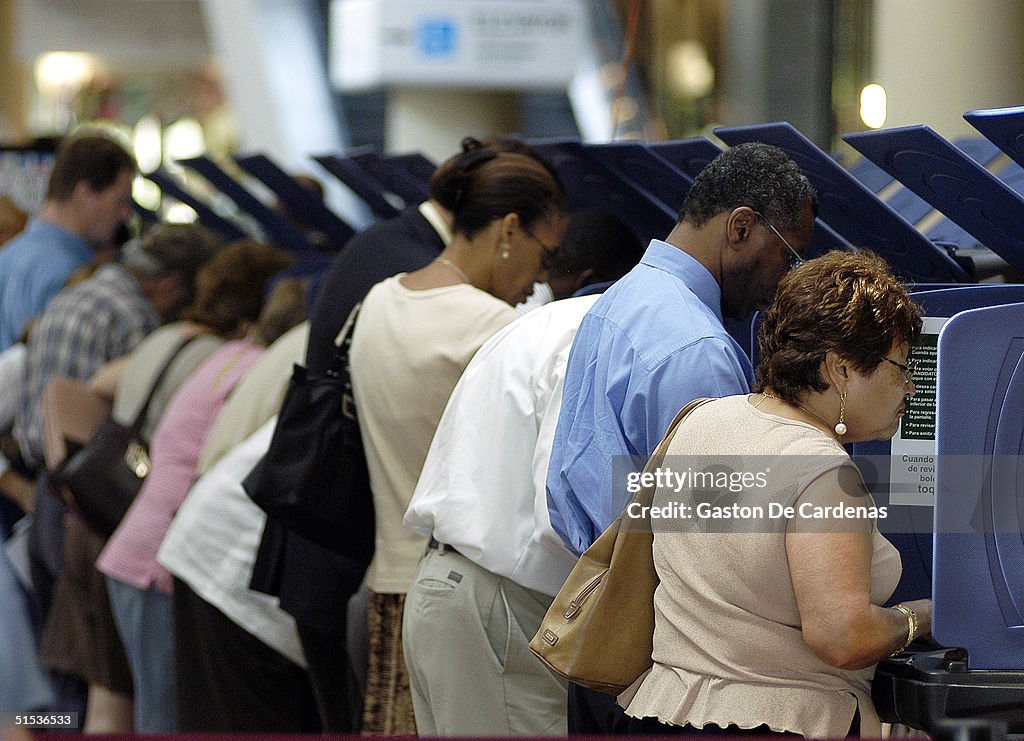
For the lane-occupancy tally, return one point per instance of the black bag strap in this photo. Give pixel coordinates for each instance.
(339, 368)
(140, 416)
(342, 344)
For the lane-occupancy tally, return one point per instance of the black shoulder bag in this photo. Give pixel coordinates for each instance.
(313, 478)
(104, 475)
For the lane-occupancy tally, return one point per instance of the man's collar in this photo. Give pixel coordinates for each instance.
(432, 214)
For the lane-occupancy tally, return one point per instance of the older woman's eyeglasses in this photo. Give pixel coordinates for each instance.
(795, 260)
(906, 369)
(547, 254)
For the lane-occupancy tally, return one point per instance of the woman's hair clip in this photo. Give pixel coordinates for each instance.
(474, 154)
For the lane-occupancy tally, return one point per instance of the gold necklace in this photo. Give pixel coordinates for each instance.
(461, 273)
(798, 406)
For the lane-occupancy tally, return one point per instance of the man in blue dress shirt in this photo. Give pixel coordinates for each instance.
(656, 340)
(88, 197)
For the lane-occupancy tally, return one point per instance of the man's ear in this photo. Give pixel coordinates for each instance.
(739, 224)
(583, 279)
(81, 190)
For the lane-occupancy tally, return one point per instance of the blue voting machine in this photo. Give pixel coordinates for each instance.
(854, 211)
(952, 182)
(368, 189)
(298, 199)
(979, 526)
(909, 527)
(978, 581)
(278, 229)
(207, 216)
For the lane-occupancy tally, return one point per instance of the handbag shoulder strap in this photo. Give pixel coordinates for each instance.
(342, 343)
(646, 493)
(184, 342)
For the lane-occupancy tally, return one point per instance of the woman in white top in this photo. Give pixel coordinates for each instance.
(415, 334)
(772, 621)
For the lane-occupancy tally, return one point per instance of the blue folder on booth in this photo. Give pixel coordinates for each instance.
(1004, 127)
(207, 216)
(278, 229)
(352, 176)
(689, 156)
(392, 175)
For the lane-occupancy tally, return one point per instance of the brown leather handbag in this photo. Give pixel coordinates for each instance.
(599, 630)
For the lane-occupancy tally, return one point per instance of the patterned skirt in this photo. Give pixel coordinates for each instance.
(387, 709)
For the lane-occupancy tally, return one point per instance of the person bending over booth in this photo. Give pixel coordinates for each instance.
(773, 622)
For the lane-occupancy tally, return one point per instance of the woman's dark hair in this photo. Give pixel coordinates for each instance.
(846, 302)
(284, 308)
(485, 182)
(231, 285)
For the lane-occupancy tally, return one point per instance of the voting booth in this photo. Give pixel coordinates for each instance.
(978, 582)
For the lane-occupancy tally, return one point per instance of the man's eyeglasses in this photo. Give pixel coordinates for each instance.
(547, 254)
(907, 370)
(795, 260)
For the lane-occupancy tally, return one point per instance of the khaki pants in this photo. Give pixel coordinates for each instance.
(466, 637)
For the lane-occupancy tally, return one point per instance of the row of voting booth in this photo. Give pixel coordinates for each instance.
(946, 215)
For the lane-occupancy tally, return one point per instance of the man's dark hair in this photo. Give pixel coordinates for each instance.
(95, 158)
(753, 174)
(596, 239)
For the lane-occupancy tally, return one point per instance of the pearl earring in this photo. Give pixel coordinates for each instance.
(505, 250)
(841, 424)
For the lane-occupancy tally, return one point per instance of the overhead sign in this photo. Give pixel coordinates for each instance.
(524, 44)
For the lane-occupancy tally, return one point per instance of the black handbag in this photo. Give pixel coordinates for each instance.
(104, 475)
(313, 478)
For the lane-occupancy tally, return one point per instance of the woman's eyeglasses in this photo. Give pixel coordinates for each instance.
(547, 254)
(906, 369)
(795, 260)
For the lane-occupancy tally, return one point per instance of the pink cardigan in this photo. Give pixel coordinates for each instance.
(130, 554)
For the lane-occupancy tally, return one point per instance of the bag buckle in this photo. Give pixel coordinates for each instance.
(348, 407)
(137, 459)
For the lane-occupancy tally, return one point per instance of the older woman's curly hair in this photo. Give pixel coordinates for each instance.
(846, 302)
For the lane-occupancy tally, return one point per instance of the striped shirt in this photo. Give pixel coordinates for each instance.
(84, 327)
